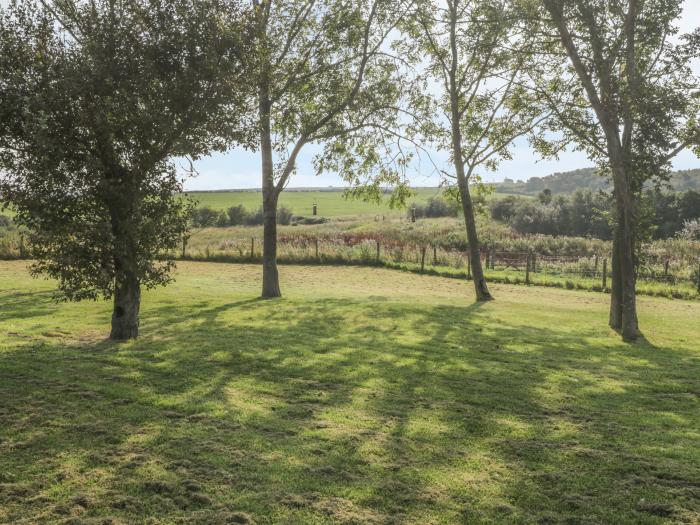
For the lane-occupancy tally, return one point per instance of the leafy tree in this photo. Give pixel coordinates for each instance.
(96, 97)
(322, 75)
(466, 50)
(625, 95)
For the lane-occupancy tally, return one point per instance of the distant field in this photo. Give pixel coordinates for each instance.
(330, 203)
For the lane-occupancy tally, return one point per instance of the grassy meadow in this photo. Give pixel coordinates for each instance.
(330, 203)
(363, 396)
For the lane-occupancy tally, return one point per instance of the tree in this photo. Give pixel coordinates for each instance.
(479, 109)
(96, 97)
(627, 96)
(322, 75)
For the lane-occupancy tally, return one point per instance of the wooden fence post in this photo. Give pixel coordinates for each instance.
(605, 274)
(377, 251)
(314, 211)
(434, 254)
(666, 268)
(595, 265)
(422, 259)
(534, 262)
(527, 269)
(252, 248)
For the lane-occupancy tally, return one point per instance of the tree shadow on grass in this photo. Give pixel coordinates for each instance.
(340, 411)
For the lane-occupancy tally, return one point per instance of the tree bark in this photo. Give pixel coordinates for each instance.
(615, 319)
(480, 287)
(270, 285)
(127, 303)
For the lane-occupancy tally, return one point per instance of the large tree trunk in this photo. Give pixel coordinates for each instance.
(127, 303)
(624, 300)
(271, 284)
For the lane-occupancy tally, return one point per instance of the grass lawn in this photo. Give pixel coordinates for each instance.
(365, 396)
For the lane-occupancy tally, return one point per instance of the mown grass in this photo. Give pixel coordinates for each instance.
(363, 396)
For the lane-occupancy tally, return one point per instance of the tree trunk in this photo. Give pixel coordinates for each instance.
(271, 284)
(623, 303)
(615, 319)
(127, 303)
(480, 287)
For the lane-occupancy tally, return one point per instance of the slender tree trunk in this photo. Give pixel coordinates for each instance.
(480, 287)
(271, 284)
(615, 320)
(127, 303)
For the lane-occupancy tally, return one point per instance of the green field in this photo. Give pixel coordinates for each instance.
(364, 396)
(330, 203)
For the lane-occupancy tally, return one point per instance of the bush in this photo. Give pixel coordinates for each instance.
(5, 221)
(436, 207)
(236, 215)
(205, 217)
(284, 215)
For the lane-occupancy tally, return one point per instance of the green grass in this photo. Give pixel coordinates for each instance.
(330, 203)
(365, 396)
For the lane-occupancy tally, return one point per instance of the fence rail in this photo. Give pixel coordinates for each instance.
(675, 278)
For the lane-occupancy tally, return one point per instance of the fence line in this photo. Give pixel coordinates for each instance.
(528, 267)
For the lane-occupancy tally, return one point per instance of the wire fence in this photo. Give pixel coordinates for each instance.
(667, 277)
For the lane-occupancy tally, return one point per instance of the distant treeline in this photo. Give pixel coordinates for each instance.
(587, 213)
(587, 178)
(206, 217)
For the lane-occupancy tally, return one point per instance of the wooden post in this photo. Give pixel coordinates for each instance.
(493, 258)
(252, 248)
(21, 247)
(666, 268)
(534, 262)
(422, 259)
(377, 251)
(434, 254)
(315, 209)
(413, 214)
(605, 274)
(316, 247)
(527, 269)
(595, 266)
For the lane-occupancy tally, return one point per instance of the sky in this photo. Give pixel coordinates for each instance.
(241, 169)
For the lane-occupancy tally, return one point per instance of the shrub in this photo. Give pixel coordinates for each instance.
(205, 217)
(236, 215)
(284, 215)
(436, 207)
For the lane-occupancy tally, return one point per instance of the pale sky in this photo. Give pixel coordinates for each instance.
(241, 169)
